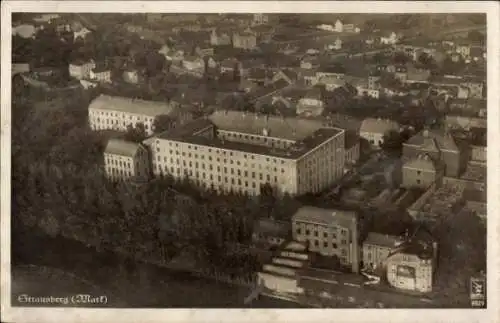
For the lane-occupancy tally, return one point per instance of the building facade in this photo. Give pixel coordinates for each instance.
(376, 250)
(117, 113)
(421, 172)
(244, 152)
(410, 271)
(373, 130)
(245, 40)
(101, 75)
(81, 70)
(329, 233)
(125, 160)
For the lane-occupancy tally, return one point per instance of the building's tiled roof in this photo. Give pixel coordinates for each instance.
(329, 80)
(307, 134)
(272, 227)
(115, 103)
(268, 89)
(313, 93)
(121, 147)
(250, 123)
(381, 126)
(311, 214)
(382, 240)
(438, 138)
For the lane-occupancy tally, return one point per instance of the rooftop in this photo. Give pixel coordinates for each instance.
(121, 147)
(115, 103)
(433, 138)
(272, 227)
(476, 172)
(373, 125)
(382, 240)
(309, 134)
(311, 214)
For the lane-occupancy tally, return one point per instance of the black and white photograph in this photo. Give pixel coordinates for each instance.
(233, 159)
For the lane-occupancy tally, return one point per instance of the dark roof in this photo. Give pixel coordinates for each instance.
(337, 69)
(272, 227)
(266, 90)
(316, 135)
(433, 138)
(312, 214)
(121, 147)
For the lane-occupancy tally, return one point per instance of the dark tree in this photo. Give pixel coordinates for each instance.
(163, 122)
(476, 36)
(401, 58)
(135, 134)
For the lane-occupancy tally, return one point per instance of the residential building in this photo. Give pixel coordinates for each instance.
(230, 65)
(125, 160)
(260, 19)
(412, 269)
(329, 233)
(351, 147)
(337, 45)
(219, 39)
(391, 39)
(311, 104)
(331, 82)
(416, 75)
(82, 33)
(194, 63)
(81, 69)
(117, 113)
(376, 249)
(288, 75)
(245, 152)
(245, 40)
(203, 51)
(439, 146)
(339, 26)
(373, 130)
(101, 74)
(132, 76)
(309, 62)
(421, 172)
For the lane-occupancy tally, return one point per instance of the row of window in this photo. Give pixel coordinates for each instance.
(210, 150)
(121, 115)
(120, 163)
(227, 180)
(119, 172)
(204, 166)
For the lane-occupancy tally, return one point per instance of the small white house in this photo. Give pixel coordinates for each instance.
(373, 130)
(81, 69)
(389, 40)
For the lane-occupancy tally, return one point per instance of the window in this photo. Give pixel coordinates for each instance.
(316, 243)
(315, 233)
(325, 234)
(325, 244)
(308, 232)
(334, 245)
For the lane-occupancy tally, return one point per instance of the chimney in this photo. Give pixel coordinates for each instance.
(425, 133)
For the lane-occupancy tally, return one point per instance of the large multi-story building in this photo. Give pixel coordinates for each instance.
(125, 160)
(329, 233)
(242, 152)
(117, 113)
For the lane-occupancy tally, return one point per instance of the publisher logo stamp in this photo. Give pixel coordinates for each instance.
(478, 292)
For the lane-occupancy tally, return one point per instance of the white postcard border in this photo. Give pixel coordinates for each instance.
(17, 314)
